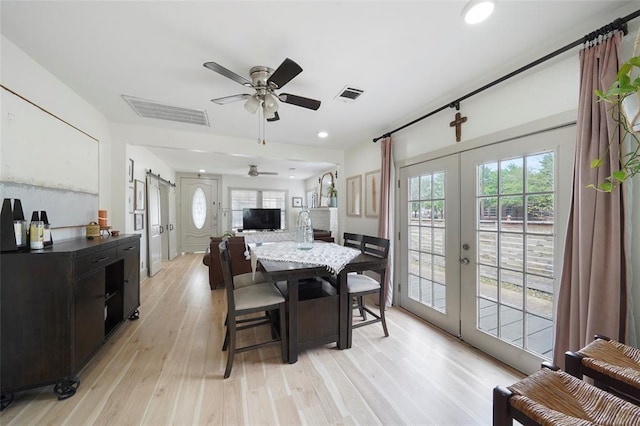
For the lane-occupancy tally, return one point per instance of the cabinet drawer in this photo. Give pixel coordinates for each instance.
(95, 261)
(124, 249)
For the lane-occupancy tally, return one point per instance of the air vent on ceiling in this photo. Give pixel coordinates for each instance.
(349, 94)
(151, 109)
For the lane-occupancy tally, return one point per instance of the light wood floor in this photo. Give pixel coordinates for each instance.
(166, 368)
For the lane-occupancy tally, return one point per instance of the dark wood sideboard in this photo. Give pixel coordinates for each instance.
(59, 305)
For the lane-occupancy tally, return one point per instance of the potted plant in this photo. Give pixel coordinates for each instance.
(332, 193)
(624, 96)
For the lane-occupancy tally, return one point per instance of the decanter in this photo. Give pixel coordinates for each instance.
(304, 230)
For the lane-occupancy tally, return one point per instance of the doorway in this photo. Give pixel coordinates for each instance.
(482, 237)
(199, 207)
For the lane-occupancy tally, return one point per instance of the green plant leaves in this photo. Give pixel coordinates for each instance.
(625, 85)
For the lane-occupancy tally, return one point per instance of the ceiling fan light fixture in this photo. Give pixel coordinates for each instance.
(269, 115)
(252, 104)
(270, 105)
(477, 11)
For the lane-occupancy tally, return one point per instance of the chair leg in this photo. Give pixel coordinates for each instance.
(360, 302)
(350, 324)
(501, 416)
(225, 344)
(226, 334)
(231, 332)
(382, 304)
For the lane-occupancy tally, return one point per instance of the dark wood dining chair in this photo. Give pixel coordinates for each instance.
(262, 298)
(359, 285)
(353, 240)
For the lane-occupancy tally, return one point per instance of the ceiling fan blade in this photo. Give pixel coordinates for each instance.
(268, 173)
(299, 101)
(276, 118)
(228, 99)
(225, 72)
(284, 73)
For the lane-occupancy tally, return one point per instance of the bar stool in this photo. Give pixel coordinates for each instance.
(551, 396)
(614, 366)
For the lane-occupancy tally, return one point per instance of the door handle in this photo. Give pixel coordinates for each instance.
(161, 229)
(465, 261)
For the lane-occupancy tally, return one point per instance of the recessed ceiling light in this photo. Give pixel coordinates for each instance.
(323, 134)
(292, 177)
(201, 170)
(477, 11)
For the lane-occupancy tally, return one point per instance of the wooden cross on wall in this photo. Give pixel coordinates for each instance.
(457, 123)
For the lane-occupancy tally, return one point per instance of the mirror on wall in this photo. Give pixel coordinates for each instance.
(326, 182)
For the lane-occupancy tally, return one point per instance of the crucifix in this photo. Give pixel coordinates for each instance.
(457, 123)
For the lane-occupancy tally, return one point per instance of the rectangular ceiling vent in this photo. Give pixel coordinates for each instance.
(349, 94)
(150, 109)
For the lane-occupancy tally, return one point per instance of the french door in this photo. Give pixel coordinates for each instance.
(494, 264)
(431, 229)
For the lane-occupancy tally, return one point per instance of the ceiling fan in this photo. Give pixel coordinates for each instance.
(265, 81)
(253, 171)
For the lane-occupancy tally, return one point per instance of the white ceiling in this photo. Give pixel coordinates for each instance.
(408, 57)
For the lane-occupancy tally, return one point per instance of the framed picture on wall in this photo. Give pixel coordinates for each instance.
(138, 222)
(139, 202)
(372, 194)
(130, 170)
(131, 195)
(354, 196)
(296, 201)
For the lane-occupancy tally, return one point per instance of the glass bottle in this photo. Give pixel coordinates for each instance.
(304, 230)
(36, 232)
(47, 238)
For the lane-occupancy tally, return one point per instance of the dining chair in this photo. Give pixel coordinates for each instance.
(359, 284)
(352, 240)
(355, 241)
(262, 298)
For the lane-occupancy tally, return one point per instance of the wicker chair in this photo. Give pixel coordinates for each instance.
(614, 367)
(550, 397)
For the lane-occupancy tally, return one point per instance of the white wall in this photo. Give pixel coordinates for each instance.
(143, 161)
(550, 90)
(26, 77)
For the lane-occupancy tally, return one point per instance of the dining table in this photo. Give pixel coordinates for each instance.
(315, 282)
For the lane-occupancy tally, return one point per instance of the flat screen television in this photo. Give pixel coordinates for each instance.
(260, 219)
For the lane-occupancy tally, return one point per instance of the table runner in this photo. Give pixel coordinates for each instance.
(330, 255)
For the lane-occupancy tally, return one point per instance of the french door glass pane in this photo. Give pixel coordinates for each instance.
(427, 235)
(515, 256)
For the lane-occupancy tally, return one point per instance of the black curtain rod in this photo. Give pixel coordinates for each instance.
(618, 24)
(168, 182)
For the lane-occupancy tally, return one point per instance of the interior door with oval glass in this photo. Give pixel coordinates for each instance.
(199, 212)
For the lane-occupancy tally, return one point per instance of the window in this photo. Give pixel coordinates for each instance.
(252, 198)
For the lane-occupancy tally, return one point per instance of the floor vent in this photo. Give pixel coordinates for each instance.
(151, 109)
(349, 94)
